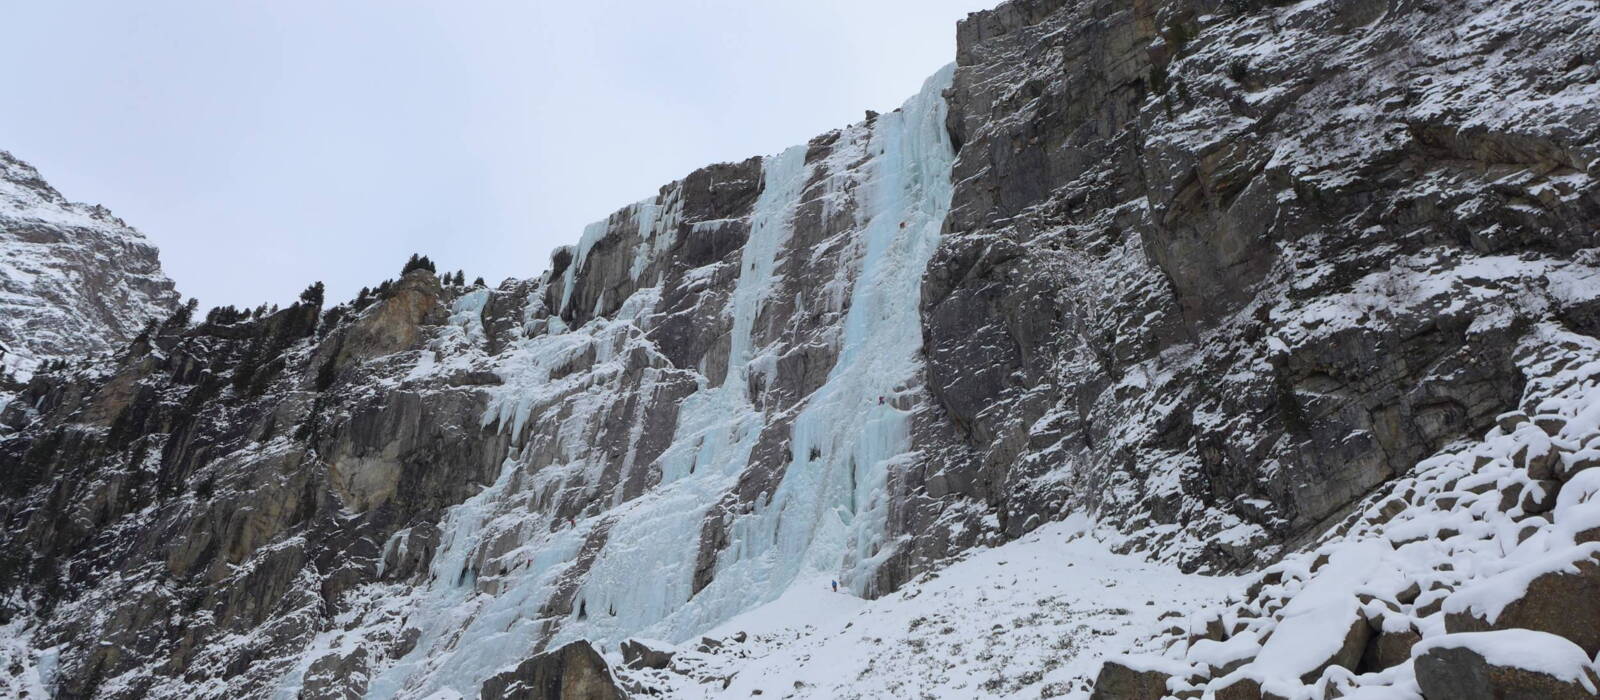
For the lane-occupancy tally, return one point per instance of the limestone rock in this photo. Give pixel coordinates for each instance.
(395, 323)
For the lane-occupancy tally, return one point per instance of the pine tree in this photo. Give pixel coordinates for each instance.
(418, 262)
(479, 282)
(179, 320)
(246, 368)
(313, 295)
(224, 315)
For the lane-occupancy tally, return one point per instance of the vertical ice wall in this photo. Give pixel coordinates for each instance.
(826, 517)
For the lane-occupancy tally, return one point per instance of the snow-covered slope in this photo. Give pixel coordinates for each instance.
(74, 279)
(1032, 618)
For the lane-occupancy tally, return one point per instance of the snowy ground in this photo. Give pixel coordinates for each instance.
(1030, 619)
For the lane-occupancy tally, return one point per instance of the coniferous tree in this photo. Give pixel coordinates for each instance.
(332, 317)
(246, 369)
(418, 262)
(179, 320)
(224, 315)
(313, 295)
(479, 282)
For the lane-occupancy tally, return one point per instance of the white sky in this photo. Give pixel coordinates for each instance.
(264, 145)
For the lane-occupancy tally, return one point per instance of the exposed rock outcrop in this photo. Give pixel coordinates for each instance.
(573, 672)
(643, 654)
(1217, 269)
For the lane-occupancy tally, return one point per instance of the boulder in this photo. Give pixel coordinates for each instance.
(1242, 688)
(1539, 457)
(573, 672)
(1559, 595)
(638, 653)
(1574, 462)
(1509, 420)
(1119, 679)
(1550, 423)
(1540, 496)
(1349, 653)
(1504, 665)
(1388, 647)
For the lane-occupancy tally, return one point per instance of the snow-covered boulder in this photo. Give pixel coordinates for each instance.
(1503, 664)
(1558, 594)
(1135, 678)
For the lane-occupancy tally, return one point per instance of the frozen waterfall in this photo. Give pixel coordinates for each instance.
(827, 516)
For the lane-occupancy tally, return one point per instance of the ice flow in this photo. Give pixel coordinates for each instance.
(827, 515)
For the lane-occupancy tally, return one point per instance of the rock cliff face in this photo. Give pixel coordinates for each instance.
(74, 279)
(1216, 269)
(1212, 272)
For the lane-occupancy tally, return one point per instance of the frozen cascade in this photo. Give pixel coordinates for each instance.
(827, 517)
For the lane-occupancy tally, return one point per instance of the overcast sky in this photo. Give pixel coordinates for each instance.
(264, 145)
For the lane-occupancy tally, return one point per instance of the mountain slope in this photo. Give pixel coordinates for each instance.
(1217, 274)
(74, 279)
